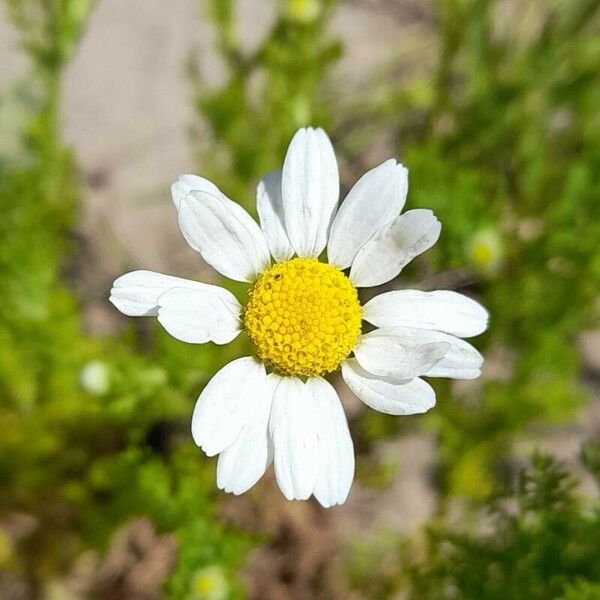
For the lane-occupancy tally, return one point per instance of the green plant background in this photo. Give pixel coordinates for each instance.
(502, 139)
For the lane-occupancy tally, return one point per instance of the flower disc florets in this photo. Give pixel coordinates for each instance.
(303, 316)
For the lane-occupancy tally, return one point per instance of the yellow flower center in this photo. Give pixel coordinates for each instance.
(303, 316)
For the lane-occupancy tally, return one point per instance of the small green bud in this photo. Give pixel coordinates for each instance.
(303, 11)
(95, 378)
(485, 251)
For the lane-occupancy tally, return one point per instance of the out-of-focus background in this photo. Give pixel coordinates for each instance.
(493, 105)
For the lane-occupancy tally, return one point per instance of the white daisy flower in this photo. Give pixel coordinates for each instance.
(304, 317)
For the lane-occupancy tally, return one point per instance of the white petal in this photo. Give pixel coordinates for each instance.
(208, 314)
(242, 464)
(269, 205)
(293, 429)
(227, 404)
(136, 294)
(336, 451)
(391, 249)
(440, 310)
(388, 353)
(461, 360)
(310, 188)
(225, 235)
(386, 395)
(186, 183)
(375, 200)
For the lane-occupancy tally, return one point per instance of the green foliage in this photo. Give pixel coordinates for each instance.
(581, 590)
(543, 545)
(267, 95)
(501, 141)
(50, 29)
(372, 566)
(519, 158)
(95, 432)
(536, 539)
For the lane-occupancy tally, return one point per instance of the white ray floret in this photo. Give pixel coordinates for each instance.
(385, 255)
(336, 451)
(386, 394)
(311, 189)
(224, 234)
(295, 437)
(441, 311)
(198, 316)
(243, 463)
(269, 205)
(223, 409)
(376, 199)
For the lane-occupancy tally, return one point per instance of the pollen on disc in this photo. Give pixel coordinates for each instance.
(303, 316)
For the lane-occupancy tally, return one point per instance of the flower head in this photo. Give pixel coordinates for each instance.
(304, 317)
